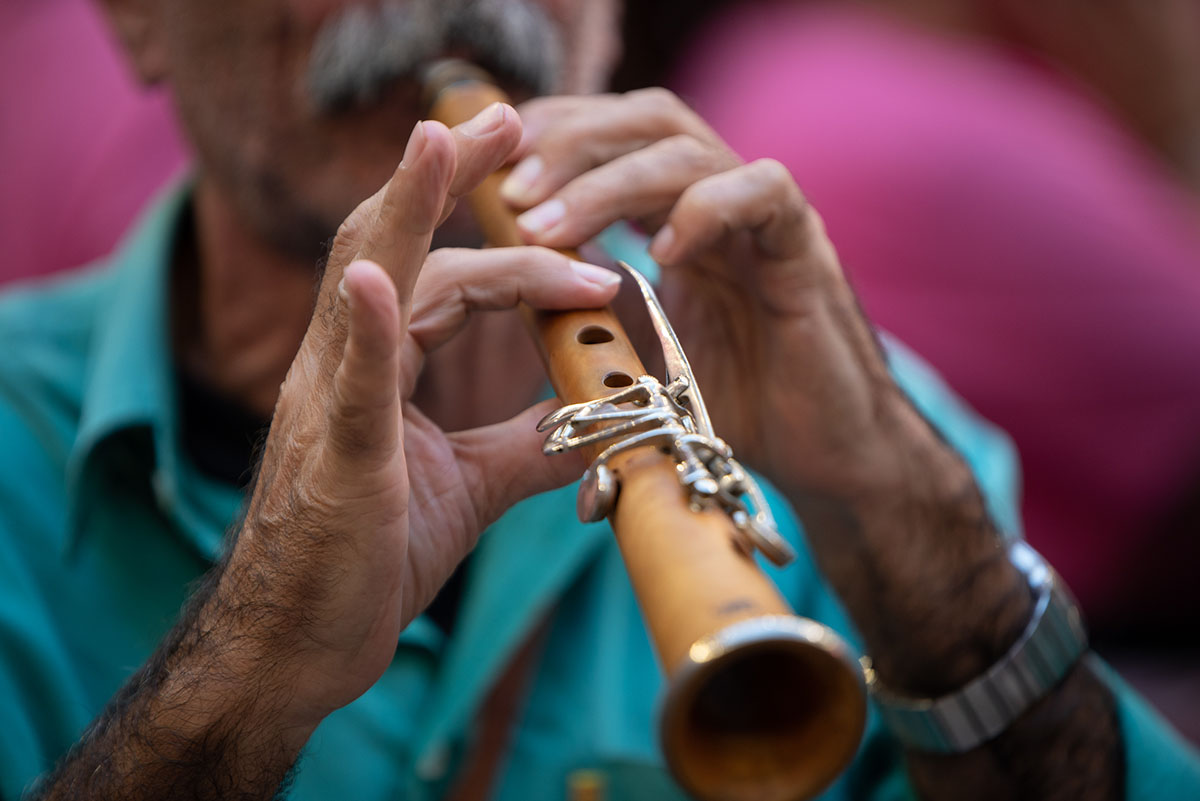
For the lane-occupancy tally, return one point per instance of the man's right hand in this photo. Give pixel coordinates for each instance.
(362, 507)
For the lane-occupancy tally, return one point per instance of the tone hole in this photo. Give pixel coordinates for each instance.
(594, 335)
(617, 380)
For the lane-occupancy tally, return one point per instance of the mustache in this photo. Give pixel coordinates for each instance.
(362, 51)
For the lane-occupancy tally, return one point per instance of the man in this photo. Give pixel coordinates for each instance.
(308, 636)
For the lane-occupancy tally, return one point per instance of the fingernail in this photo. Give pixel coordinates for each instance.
(343, 293)
(522, 178)
(663, 242)
(416, 143)
(542, 218)
(595, 275)
(484, 122)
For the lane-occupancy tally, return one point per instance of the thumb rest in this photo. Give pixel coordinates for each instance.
(761, 705)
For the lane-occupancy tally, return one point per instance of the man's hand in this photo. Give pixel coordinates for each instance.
(792, 373)
(795, 381)
(354, 529)
(790, 369)
(362, 507)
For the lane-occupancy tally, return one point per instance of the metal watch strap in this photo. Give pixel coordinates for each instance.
(1052, 643)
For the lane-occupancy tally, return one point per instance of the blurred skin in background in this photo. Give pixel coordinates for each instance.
(1012, 189)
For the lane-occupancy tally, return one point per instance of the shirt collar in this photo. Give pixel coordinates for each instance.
(129, 385)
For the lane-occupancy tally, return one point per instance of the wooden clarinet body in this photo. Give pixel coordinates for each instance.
(762, 705)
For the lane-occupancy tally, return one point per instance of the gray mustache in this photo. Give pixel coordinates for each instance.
(362, 51)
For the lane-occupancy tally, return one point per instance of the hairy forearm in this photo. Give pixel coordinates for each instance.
(922, 572)
(203, 719)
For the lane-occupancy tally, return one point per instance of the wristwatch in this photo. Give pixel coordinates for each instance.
(1051, 644)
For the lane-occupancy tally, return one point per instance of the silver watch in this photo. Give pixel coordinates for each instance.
(1052, 643)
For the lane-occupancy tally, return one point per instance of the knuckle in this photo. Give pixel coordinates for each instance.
(353, 227)
(295, 449)
(308, 505)
(347, 237)
(538, 262)
(434, 276)
(774, 173)
(701, 199)
(538, 107)
(687, 150)
(782, 185)
(549, 257)
(435, 298)
(288, 497)
(658, 98)
(448, 267)
(574, 143)
(546, 117)
(681, 143)
(670, 112)
(438, 261)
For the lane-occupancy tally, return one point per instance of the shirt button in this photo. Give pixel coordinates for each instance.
(586, 785)
(434, 763)
(162, 489)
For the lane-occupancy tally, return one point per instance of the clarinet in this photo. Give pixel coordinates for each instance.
(761, 704)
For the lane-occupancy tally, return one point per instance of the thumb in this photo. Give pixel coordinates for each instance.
(508, 462)
(364, 410)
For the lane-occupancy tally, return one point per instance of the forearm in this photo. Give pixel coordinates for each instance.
(925, 577)
(201, 720)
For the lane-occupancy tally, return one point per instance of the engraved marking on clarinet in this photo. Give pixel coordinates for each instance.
(735, 606)
(673, 418)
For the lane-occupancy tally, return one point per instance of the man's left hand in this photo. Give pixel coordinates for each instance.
(794, 378)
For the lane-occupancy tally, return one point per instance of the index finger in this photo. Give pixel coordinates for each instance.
(460, 282)
(411, 206)
(393, 228)
(566, 137)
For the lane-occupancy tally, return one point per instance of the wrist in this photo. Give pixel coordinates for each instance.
(216, 698)
(298, 625)
(248, 646)
(232, 673)
(981, 709)
(919, 564)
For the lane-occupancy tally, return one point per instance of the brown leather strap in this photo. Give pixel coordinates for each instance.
(495, 721)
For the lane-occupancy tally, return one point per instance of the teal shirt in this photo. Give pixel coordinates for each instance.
(104, 524)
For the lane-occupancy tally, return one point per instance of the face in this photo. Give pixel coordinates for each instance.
(300, 109)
